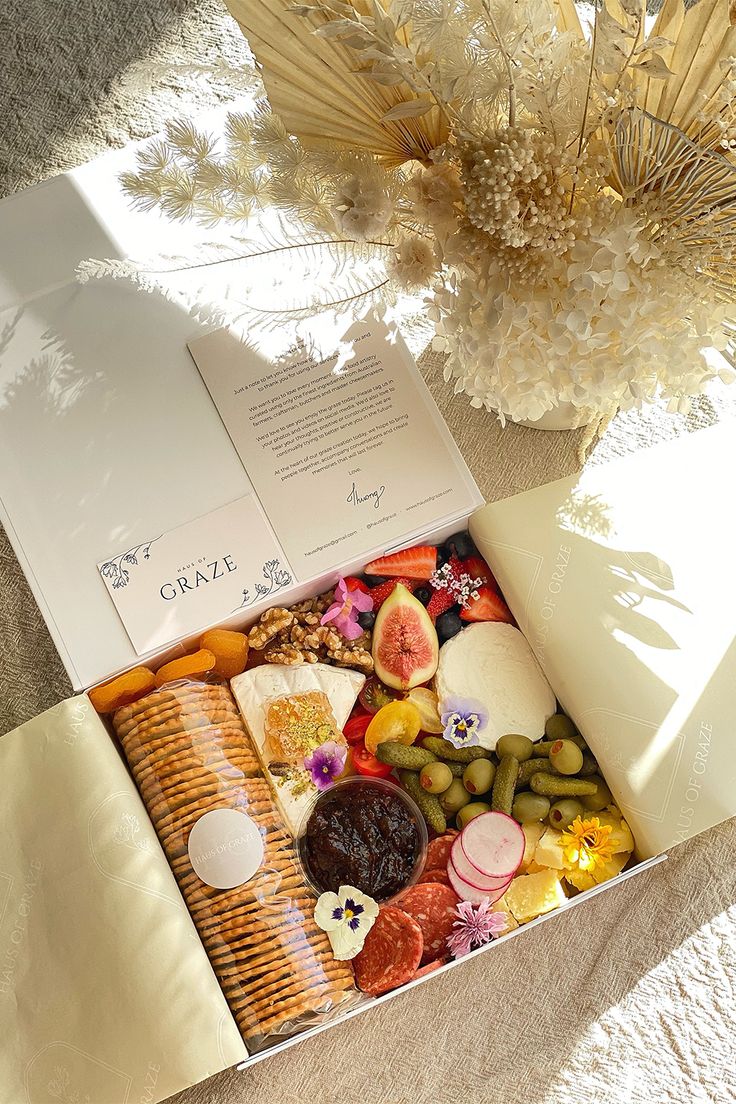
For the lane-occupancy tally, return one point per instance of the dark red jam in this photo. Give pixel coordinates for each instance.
(362, 835)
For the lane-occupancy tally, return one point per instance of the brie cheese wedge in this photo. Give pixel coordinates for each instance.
(254, 689)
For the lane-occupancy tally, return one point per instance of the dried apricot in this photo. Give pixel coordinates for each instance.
(193, 666)
(230, 650)
(122, 690)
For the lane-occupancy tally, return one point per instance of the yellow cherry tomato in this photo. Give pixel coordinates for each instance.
(399, 721)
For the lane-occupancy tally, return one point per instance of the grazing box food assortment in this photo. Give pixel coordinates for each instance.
(355, 728)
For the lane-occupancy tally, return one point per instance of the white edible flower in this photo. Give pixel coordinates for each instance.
(347, 916)
(412, 263)
(361, 209)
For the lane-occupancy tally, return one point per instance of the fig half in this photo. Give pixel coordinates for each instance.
(405, 647)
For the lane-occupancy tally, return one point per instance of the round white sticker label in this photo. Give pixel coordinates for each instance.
(225, 848)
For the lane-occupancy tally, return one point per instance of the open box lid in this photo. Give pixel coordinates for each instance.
(622, 580)
(109, 437)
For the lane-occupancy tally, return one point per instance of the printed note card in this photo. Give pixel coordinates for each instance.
(169, 585)
(347, 453)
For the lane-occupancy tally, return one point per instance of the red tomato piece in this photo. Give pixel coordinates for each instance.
(368, 764)
(355, 727)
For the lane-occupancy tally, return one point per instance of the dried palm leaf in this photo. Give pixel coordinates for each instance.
(695, 187)
(702, 38)
(313, 85)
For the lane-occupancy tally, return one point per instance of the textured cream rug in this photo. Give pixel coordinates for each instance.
(630, 997)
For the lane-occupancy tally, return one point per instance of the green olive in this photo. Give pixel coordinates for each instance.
(454, 797)
(566, 757)
(520, 747)
(563, 813)
(478, 776)
(559, 727)
(472, 809)
(435, 777)
(529, 807)
(597, 802)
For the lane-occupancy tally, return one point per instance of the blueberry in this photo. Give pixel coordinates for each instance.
(423, 594)
(462, 545)
(376, 580)
(443, 555)
(367, 620)
(448, 625)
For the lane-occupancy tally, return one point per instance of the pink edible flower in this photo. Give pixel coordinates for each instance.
(475, 926)
(343, 613)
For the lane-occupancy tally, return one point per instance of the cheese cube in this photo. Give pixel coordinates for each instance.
(548, 851)
(502, 906)
(532, 836)
(586, 879)
(532, 895)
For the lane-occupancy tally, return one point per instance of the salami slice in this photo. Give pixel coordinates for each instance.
(438, 851)
(429, 968)
(435, 876)
(433, 907)
(391, 953)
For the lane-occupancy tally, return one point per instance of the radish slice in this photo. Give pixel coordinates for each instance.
(470, 874)
(468, 892)
(494, 844)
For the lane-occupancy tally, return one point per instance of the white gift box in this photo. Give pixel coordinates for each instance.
(621, 580)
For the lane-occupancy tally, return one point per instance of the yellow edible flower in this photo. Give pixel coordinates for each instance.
(586, 844)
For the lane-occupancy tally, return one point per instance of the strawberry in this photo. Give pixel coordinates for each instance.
(477, 567)
(488, 606)
(439, 603)
(353, 583)
(380, 593)
(412, 563)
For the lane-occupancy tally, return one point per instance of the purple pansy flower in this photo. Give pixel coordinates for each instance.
(343, 613)
(475, 926)
(462, 720)
(326, 763)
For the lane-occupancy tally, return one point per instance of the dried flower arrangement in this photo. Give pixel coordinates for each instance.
(566, 197)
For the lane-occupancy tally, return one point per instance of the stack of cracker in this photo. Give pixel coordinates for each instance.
(189, 753)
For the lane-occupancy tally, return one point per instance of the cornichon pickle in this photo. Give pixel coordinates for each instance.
(445, 750)
(457, 769)
(595, 803)
(554, 785)
(404, 756)
(521, 747)
(429, 805)
(504, 784)
(530, 767)
(478, 776)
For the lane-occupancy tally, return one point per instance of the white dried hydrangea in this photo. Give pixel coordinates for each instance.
(613, 321)
(411, 263)
(362, 208)
(435, 192)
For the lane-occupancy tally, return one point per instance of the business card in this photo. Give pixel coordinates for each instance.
(347, 453)
(169, 585)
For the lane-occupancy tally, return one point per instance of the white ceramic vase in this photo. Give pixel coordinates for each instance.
(561, 417)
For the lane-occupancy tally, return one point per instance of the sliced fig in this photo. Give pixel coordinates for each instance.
(405, 648)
